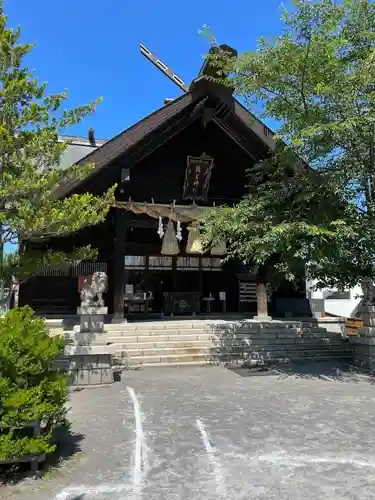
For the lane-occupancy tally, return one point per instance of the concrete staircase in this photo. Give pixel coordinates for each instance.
(169, 343)
(201, 342)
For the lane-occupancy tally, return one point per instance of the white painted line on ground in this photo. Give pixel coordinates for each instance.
(214, 462)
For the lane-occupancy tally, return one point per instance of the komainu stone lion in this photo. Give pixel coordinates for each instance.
(93, 289)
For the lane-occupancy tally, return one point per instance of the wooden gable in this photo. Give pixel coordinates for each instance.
(161, 175)
(199, 111)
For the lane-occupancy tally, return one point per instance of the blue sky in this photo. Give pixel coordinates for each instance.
(92, 48)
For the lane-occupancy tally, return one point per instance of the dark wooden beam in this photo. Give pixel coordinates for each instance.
(172, 129)
(118, 265)
(243, 143)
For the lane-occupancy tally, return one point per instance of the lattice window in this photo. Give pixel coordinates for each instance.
(89, 268)
(188, 263)
(135, 261)
(81, 269)
(47, 271)
(160, 262)
(211, 264)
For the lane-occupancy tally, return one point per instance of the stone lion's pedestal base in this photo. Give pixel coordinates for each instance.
(89, 359)
(92, 318)
(89, 365)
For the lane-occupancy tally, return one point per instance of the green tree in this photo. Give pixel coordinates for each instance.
(317, 80)
(30, 123)
(29, 389)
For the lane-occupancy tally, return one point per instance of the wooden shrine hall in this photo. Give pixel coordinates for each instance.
(192, 153)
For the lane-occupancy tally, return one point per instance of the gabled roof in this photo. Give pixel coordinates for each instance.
(125, 140)
(200, 88)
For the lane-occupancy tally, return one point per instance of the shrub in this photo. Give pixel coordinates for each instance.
(29, 390)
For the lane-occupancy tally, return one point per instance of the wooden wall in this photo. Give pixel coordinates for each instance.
(161, 175)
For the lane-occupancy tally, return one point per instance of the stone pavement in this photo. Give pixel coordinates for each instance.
(210, 433)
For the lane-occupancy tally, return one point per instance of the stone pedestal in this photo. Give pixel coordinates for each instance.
(368, 315)
(89, 359)
(89, 365)
(262, 318)
(364, 342)
(92, 318)
(262, 303)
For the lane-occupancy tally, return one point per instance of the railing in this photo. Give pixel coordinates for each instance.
(84, 268)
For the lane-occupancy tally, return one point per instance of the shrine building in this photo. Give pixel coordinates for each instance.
(195, 152)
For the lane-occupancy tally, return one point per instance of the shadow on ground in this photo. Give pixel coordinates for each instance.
(327, 371)
(67, 445)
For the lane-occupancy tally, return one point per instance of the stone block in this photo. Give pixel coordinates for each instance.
(273, 353)
(92, 323)
(306, 341)
(285, 341)
(362, 340)
(95, 376)
(107, 376)
(83, 377)
(89, 362)
(287, 334)
(259, 339)
(270, 335)
(92, 310)
(104, 361)
(248, 328)
(272, 325)
(366, 331)
(76, 363)
(72, 377)
(86, 350)
(364, 362)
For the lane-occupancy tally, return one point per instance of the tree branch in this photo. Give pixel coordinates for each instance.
(303, 75)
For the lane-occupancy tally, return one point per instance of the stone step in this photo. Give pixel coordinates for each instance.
(184, 325)
(166, 351)
(212, 358)
(156, 333)
(192, 340)
(219, 328)
(167, 344)
(177, 363)
(280, 335)
(271, 350)
(125, 339)
(199, 358)
(132, 353)
(239, 335)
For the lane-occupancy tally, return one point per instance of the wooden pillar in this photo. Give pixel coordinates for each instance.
(118, 268)
(200, 284)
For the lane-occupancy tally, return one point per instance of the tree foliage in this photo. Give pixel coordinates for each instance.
(317, 80)
(30, 123)
(29, 389)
